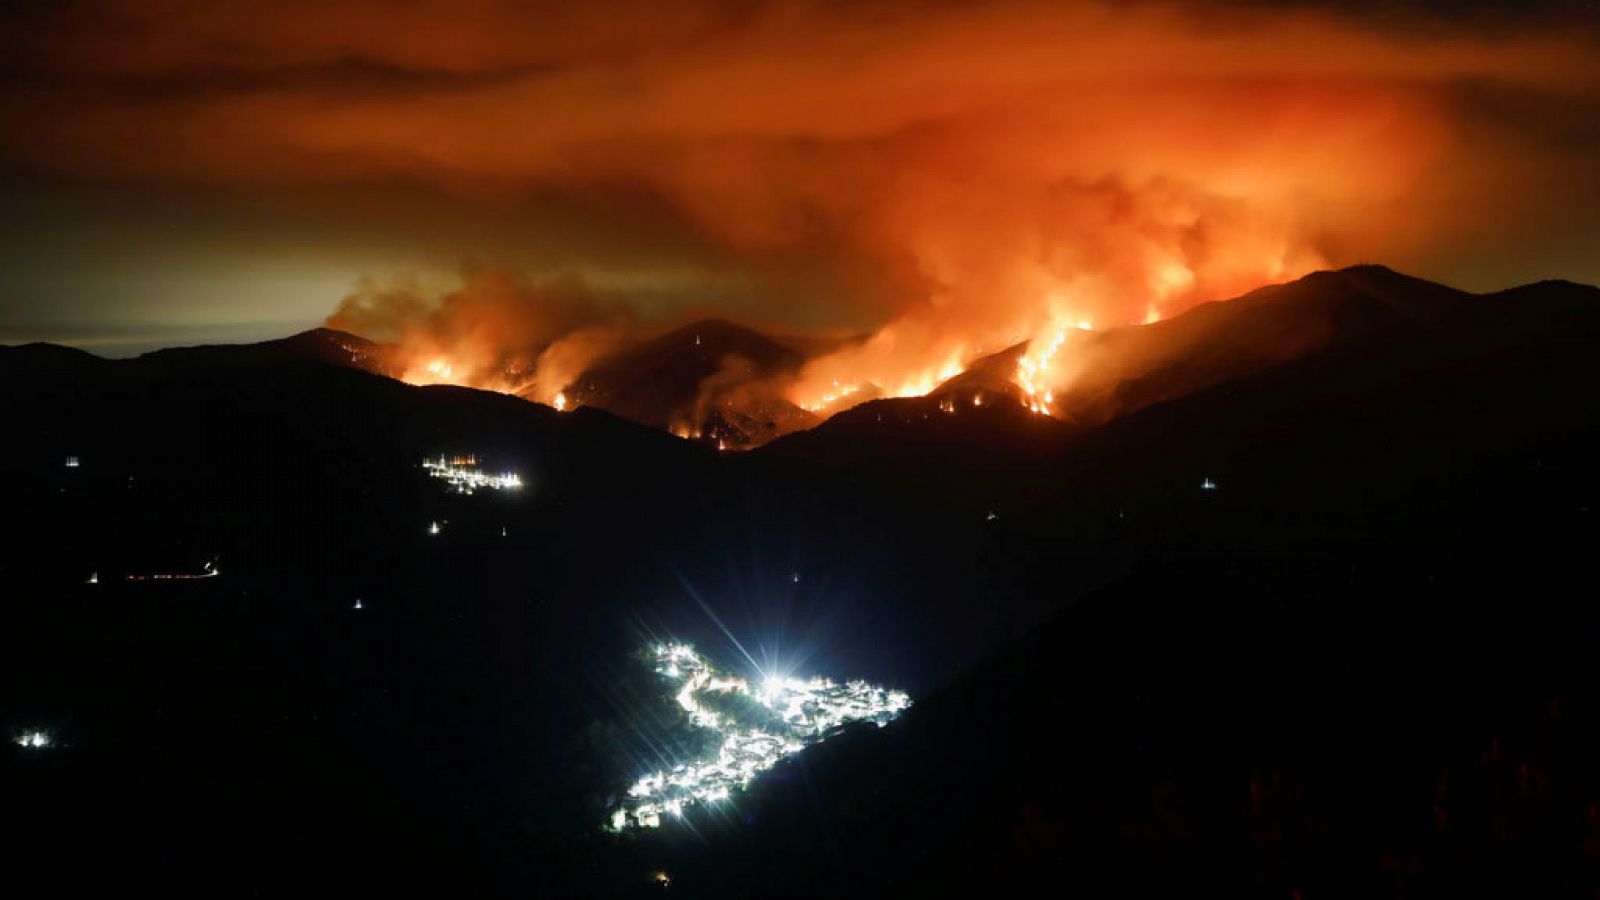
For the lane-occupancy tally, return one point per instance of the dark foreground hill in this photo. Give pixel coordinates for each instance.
(320, 345)
(473, 717)
(1360, 360)
(1349, 656)
(1321, 626)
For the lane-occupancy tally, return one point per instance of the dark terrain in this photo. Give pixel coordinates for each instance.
(708, 381)
(1362, 665)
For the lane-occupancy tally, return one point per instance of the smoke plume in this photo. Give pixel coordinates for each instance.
(952, 178)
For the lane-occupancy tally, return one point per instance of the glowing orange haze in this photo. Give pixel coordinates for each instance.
(989, 176)
(950, 178)
(996, 227)
(999, 227)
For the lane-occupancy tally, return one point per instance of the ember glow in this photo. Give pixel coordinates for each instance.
(793, 713)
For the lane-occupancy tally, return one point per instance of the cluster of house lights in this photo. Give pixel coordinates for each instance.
(803, 712)
(465, 477)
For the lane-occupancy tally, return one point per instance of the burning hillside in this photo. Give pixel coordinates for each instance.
(1017, 172)
(735, 388)
(922, 187)
(730, 385)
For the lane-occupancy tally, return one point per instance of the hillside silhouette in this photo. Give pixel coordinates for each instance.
(1295, 600)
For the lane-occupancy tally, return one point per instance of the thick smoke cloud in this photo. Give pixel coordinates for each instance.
(953, 177)
(498, 330)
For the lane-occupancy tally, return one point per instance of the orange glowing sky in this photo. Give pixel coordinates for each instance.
(950, 177)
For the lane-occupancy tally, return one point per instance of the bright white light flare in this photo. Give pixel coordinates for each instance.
(34, 740)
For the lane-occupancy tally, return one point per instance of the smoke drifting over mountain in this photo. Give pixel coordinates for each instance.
(952, 178)
(496, 331)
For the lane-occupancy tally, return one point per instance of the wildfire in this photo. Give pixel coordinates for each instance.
(1013, 265)
(918, 382)
(910, 356)
(1022, 300)
(829, 399)
(922, 385)
(972, 162)
(1031, 370)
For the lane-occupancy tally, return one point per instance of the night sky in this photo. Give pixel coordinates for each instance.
(181, 172)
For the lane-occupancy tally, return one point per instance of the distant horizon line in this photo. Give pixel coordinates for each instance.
(131, 340)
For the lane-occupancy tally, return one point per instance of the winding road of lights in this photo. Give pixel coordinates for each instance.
(801, 713)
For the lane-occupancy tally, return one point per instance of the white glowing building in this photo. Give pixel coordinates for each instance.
(806, 712)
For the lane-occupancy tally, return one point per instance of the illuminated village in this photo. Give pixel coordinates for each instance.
(464, 476)
(801, 712)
